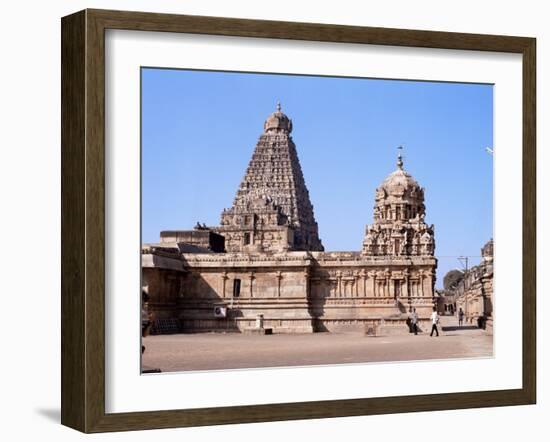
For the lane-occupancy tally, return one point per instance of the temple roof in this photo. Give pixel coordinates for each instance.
(399, 179)
(274, 181)
(278, 121)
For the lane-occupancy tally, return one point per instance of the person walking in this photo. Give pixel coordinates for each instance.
(460, 317)
(435, 320)
(414, 321)
(146, 322)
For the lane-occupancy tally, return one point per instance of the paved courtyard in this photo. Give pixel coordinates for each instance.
(214, 351)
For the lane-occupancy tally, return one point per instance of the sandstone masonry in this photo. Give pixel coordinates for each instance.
(273, 263)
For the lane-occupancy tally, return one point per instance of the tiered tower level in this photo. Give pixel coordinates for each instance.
(272, 211)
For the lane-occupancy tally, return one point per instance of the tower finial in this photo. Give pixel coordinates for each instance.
(278, 106)
(399, 157)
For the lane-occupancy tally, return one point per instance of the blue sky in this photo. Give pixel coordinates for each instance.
(199, 130)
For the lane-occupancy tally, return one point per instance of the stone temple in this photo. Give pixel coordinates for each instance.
(266, 259)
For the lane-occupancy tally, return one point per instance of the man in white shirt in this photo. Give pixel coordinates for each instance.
(435, 320)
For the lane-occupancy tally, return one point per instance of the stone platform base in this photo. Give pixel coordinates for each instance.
(258, 331)
(392, 330)
(242, 325)
(378, 325)
(398, 327)
(296, 329)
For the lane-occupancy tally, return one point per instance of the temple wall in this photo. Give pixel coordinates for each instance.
(274, 239)
(162, 286)
(347, 295)
(294, 292)
(279, 295)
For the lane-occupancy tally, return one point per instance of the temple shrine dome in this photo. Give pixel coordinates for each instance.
(399, 181)
(278, 121)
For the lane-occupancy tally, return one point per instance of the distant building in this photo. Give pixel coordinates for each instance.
(446, 302)
(474, 293)
(272, 261)
(446, 297)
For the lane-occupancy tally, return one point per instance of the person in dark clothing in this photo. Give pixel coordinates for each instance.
(145, 317)
(414, 321)
(460, 317)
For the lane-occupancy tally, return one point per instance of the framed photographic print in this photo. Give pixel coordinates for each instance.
(270, 220)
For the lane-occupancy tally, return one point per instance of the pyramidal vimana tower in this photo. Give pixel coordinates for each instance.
(266, 259)
(272, 211)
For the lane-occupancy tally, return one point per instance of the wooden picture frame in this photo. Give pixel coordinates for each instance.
(83, 220)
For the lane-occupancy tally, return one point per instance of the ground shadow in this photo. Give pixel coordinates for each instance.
(456, 328)
(51, 414)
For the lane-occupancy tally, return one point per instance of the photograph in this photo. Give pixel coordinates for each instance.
(301, 220)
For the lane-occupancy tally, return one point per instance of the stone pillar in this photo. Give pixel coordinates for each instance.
(171, 294)
(224, 280)
(428, 290)
(306, 277)
(405, 288)
(372, 275)
(279, 277)
(251, 276)
(339, 276)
